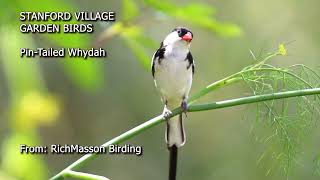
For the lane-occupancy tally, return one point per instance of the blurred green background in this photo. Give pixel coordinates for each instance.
(72, 101)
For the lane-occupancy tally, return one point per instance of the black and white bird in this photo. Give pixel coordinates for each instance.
(172, 70)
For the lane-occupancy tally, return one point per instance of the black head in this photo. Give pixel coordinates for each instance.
(184, 33)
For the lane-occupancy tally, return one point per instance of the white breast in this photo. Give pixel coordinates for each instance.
(173, 78)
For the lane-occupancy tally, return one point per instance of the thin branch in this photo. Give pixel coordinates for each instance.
(81, 175)
(201, 107)
(253, 99)
(236, 77)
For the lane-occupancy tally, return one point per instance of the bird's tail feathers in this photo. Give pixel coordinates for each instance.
(175, 133)
(173, 162)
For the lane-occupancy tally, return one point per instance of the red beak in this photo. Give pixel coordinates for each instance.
(187, 37)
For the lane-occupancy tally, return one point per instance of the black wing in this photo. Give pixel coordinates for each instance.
(191, 62)
(158, 55)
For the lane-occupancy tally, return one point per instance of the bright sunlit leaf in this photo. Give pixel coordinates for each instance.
(129, 10)
(282, 50)
(36, 109)
(27, 167)
(196, 14)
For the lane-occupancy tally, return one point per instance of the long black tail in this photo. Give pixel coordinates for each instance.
(173, 162)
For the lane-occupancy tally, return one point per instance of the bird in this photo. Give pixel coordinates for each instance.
(172, 70)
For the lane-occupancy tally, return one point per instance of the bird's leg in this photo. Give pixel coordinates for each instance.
(184, 106)
(166, 113)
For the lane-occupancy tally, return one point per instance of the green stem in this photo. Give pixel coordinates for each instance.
(201, 107)
(253, 99)
(218, 84)
(236, 77)
(81, 175)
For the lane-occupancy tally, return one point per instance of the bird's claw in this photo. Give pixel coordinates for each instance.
(166, 113)
(184, 107)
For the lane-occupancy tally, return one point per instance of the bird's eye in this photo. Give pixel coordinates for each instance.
(179, 31)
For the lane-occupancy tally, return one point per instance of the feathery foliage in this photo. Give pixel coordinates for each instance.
(287, 119)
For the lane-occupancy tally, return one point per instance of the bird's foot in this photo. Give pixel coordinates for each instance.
(166, 113)
(184, 107)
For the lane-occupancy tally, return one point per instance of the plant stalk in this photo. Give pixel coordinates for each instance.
(192, 108)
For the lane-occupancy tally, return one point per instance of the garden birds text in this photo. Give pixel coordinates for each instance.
(67, 16)
(62, 16)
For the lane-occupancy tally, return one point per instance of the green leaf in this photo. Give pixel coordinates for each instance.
(139, 52)
(87, 74)
(27, 167)
(135, 32)
(45, 5)
(194, 9)
(137, 42)
(196, 14)
(163, 6)
(22, 74)
(129, 10)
